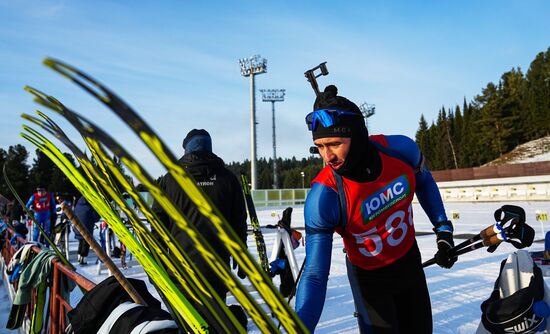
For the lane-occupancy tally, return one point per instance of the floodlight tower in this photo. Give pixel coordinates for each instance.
(367, 110)
(273, 95)
(249, 68)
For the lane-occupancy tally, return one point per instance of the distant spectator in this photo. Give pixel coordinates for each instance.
(61, 230)
(43, 204)
(15, 212)
(223, 189)
(88, 216)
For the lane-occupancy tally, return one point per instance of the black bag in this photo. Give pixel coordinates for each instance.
(97, 304)
(523, 312)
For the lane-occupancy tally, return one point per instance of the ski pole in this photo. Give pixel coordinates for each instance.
(467, 244)
(102, 255)
(488, 237)
(510, 226)
(467, 247)
(485, 234)
(293, 292)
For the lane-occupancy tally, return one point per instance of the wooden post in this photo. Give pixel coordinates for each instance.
(102, 255)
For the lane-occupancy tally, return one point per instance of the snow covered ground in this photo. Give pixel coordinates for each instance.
(456, 294)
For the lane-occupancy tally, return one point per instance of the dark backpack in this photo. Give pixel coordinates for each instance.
(97, 304)
(522, 312)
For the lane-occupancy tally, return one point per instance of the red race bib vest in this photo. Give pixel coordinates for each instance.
(379, 228)
(41, 203)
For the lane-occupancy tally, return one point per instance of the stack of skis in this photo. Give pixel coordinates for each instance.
(101, 181)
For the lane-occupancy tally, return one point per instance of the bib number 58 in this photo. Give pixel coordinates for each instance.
(372, 240)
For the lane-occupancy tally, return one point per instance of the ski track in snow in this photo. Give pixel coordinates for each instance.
(456, 294)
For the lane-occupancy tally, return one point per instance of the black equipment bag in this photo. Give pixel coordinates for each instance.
(523, 312)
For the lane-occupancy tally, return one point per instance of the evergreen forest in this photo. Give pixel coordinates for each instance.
(505, 114)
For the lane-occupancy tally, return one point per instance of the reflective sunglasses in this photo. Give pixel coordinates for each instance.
(327, 117)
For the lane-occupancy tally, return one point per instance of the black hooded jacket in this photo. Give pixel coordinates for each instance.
(222, 187)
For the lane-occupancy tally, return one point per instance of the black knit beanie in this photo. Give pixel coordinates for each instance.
(350, 126)
(347, 124)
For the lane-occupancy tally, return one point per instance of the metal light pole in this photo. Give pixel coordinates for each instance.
(249, 68)
(303, 181)
(273, 95)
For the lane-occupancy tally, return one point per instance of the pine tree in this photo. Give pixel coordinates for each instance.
(442, 146)
(490, 124)
(512, 114)
(466, 144)
(537, 99)
(59, 183)
(18, 172)
(421, 134)
(449, 130)
(457, 135)
(42, 171)
(433, 157)
(3, 158)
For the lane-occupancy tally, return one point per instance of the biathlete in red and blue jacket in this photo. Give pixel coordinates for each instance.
(365, 194)
(43, 204)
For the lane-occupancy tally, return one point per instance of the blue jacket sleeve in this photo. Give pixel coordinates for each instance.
(427, 191)
(322, 214)
(30, 202)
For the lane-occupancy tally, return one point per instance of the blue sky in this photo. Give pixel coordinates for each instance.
(176, 62)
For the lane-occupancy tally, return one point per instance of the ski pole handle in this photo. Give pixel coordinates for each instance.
(129, 288)
(488, 232)
(457, 252)
(456, 249)
(484, 235)
(492, 240)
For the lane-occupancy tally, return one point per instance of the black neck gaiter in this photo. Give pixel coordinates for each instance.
(363, 163)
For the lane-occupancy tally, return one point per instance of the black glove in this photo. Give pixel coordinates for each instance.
(444, 233)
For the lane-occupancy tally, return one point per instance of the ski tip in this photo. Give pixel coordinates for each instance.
(52, 62)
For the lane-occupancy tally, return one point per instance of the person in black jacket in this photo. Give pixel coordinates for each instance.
(225, 192)
(88, 216)
(15, 212)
